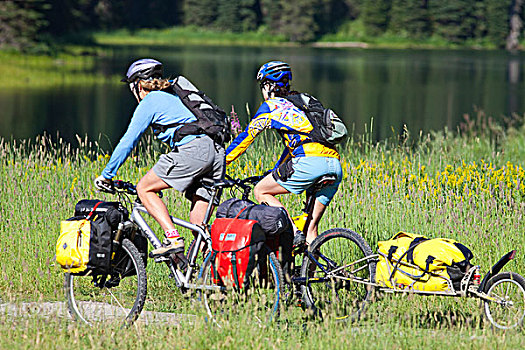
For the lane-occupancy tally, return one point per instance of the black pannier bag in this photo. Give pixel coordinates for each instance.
(104, 222)
(273, 220)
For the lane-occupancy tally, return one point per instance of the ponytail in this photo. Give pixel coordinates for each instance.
(155, 84)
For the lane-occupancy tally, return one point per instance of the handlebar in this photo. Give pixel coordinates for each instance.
(124, 186)
(120, 186)
(246, 184)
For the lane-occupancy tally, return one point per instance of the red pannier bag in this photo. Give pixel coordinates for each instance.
(235, 247)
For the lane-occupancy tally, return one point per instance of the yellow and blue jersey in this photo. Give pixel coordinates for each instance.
(293, 125)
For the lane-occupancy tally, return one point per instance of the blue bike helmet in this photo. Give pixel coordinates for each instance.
(145, 68)
(276, 72)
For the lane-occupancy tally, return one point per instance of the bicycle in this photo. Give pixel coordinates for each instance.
(120, 295)
(320, 275)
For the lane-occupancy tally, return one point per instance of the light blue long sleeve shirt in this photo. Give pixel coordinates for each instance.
(157, 107)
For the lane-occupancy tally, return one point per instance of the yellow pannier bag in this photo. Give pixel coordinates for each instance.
(412, 261)
(72, 249)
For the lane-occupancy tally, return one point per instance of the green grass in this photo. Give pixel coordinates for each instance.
(468, 187)
(43, 71)
(354, 31)
(187, 36)
(23, 334)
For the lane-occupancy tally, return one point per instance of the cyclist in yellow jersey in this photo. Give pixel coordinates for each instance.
(302, 162)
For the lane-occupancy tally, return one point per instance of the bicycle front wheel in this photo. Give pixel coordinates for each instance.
(118, 297)
(337, 272)
(508, 308)
(259, 303)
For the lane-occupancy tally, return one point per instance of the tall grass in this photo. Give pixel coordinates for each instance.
(470, 187)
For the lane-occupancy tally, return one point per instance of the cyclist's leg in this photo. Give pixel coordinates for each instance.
(266, 190)
(324, 196)
(317, 214)
(198, 209)
(179, 169)
(147, 189)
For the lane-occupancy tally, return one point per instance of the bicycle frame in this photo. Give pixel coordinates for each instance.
(202, 235)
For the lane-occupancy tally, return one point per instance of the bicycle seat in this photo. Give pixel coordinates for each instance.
(323, 181)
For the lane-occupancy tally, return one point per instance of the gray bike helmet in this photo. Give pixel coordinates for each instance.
(145, 68)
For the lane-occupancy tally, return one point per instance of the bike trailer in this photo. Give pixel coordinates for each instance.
(85, 241)
(412, 261)
(236, 244)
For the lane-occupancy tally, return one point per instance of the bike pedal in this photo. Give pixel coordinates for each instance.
(160, 259)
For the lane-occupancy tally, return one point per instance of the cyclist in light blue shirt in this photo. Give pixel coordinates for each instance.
(192, 158)
(157, 107)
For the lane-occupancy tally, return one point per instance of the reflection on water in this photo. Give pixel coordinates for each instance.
(423, 89)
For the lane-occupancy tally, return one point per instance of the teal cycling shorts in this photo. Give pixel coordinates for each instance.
(300, 173)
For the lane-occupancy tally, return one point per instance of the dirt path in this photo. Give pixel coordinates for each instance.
(59, 310)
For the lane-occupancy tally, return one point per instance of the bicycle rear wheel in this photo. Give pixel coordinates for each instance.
(508, 309)
(259, 303)
(118, 298)
(337, 274)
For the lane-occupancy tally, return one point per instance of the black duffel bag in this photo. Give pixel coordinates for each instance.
(85, 206)
(273, 220)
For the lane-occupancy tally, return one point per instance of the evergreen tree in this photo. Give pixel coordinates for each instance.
(454, 20)
(296, 20)
(228, 15)
(271, 13)
(330, 14)
(376, 15)
(410, 17)
(21, 23)
(498, 20)
(237, 15)
(200, 13)
(480, 11)
(249, 14)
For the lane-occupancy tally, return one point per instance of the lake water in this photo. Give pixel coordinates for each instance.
(422, 89)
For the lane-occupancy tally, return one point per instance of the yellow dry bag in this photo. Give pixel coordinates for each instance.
(412, 261)
(72, 249)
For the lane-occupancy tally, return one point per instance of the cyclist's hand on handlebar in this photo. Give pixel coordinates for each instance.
(104, 185)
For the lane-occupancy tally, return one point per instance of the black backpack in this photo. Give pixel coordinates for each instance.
(211, 119)
(328, 128)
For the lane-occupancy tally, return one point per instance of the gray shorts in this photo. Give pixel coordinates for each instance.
(182, 168)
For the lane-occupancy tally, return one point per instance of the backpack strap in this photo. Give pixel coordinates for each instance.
(213, 267)
(234, 269)
(211, 119)
(315, 134)
(409, 252)
(93, 210)
(412, 246)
